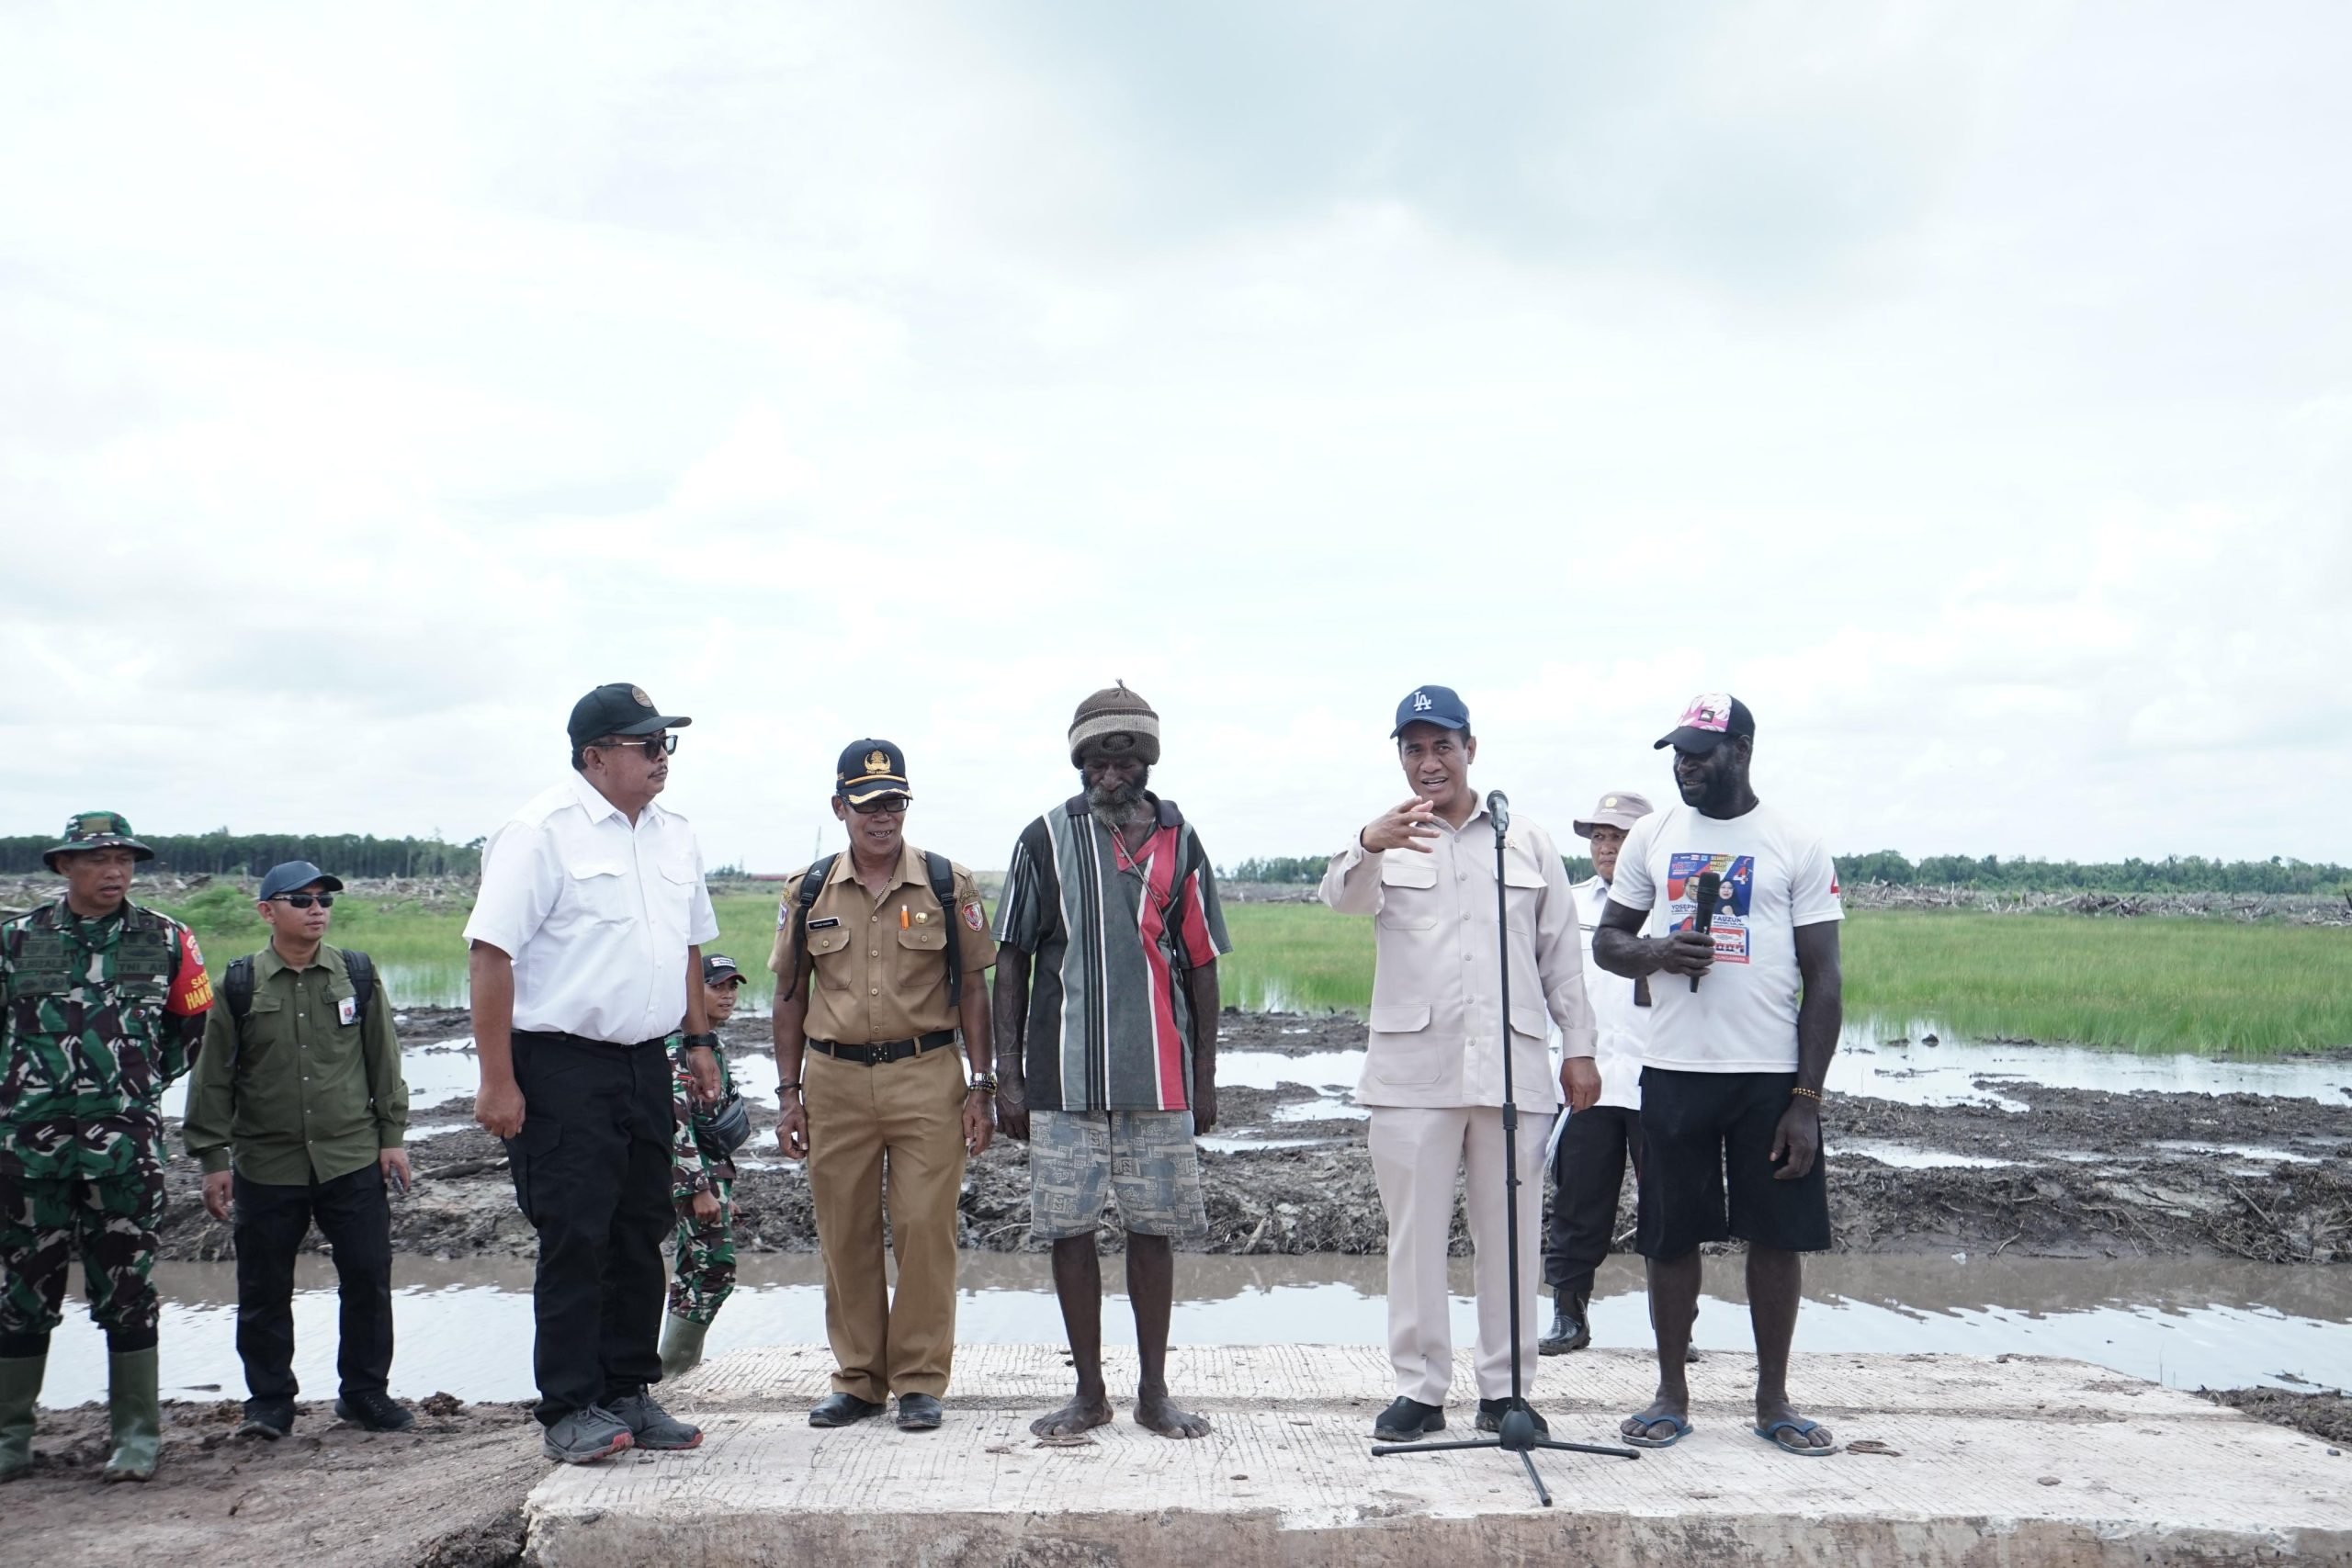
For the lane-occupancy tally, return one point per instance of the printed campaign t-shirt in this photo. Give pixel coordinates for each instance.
(1776, 876)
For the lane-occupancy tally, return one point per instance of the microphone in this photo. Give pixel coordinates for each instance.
(1499, 807)
(1711, 887)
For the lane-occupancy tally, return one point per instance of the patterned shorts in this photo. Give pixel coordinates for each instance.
(1078, 1158)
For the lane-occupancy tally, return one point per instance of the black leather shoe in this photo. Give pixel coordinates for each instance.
(377, 1412)
(1407, 1421)
(1492, 1411)
(918, 1413)
(1570, 1331)
(842, 1410)
(272, 1420)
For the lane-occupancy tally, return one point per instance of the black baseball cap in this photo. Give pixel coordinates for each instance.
(294, 874)
(718, 969)
(1711, 718)
(1431, 704)
(618, 708)
(868, 768)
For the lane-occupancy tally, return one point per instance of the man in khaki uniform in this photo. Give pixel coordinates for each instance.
(875, 973)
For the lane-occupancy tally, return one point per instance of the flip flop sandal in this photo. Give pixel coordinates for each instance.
(1682, 1431)
(1771, 1434)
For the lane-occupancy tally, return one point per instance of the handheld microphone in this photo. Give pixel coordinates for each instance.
(1711, 887)
(1499, 807)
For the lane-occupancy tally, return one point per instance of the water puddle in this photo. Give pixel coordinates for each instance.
(465, 1327)
(2240, 1151)
(1907, 1156)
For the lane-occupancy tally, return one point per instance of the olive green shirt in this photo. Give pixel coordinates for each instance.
(303, 1095)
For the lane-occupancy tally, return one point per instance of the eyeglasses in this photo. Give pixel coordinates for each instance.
(654, 746)
(304, 900)
(882, 805)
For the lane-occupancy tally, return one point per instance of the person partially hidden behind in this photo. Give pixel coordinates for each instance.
(1746, 1016)
(702, 1184)
(298, 1113)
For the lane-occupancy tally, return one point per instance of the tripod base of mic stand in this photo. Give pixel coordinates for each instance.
(1518, 1437)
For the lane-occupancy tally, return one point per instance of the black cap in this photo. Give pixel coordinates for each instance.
(295, 874)
(869, 768)
(1711, 718)
(1431, 704)
(718, 969)
(618, 708)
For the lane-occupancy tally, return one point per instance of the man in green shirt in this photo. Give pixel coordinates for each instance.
(298, 1110)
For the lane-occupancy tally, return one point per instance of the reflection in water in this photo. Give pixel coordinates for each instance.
(465, 1327)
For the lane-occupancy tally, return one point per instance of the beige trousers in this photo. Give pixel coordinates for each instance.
(1416, 1153)
(905, 1120)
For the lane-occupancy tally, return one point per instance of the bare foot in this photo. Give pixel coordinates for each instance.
(1799, 1435)
(1660, 1421)
(1155, 1412)
(1085, 1411)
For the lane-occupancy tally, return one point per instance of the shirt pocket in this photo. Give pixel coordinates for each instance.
(829, 952)
(674, 890)
(1402, 1051)
(1522, 887)
(1407, 891)
(601, 890)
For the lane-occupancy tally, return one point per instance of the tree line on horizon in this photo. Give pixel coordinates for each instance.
(2173, 874)
(223, 853)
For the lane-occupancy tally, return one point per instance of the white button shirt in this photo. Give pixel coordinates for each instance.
(1622, 1028)
(596, 913)
(1436, 1022)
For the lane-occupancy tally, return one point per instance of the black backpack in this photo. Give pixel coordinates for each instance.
(237, 984)
(942, 874)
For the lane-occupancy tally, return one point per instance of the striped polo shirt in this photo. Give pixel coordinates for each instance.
(1110, 1025)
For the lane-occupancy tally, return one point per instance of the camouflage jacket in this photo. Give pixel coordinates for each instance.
(697, 1164)
(101, 1016)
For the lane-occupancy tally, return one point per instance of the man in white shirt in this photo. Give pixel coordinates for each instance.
(1589, 1165)
(1434, 1068)
(1730, 910)
(586, 941)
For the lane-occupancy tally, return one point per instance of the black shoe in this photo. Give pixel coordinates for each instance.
(1492, 1411)
(842, 1410)
(1570, 1331)
(377, 1412)
(1407, 1421)
(918, 1413)
(272, 1419)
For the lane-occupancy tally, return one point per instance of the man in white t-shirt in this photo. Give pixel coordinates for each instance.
(1590, 1155)
(1731, 912)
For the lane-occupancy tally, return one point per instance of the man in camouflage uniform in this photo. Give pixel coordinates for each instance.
(105, 1007)
(703, 1187)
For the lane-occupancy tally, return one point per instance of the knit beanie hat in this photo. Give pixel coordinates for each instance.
(1118, 718)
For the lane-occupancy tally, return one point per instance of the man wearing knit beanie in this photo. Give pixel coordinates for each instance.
(1108, 936)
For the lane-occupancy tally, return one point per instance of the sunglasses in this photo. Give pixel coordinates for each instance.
(304, 900)
(882, 805)
(655, 746)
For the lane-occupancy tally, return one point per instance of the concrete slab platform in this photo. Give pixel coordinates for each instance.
(2013, 1461)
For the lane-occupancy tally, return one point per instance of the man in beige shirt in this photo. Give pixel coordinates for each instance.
(1433, 1071)
(876, 972)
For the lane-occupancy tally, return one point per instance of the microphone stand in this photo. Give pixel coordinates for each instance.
(1519, 1434)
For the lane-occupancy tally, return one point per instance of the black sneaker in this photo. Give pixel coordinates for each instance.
(1492, 1411)
(272, 1419)
(1407, 1421)
(377, 1412)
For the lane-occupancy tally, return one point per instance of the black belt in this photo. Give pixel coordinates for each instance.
(883, 1051)
(563, 1037)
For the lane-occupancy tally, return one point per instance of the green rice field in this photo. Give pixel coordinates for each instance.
(2145, 985)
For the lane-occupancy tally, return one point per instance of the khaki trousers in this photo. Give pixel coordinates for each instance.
(1415, 1153)
(906, 1119)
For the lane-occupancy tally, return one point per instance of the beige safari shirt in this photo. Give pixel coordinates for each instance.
(881, 964)
(1436, 1023)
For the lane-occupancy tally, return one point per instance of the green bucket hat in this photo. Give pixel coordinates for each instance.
(96, 830)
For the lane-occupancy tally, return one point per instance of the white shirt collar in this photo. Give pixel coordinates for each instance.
(593, 802)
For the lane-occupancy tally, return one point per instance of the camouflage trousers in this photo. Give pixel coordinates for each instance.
(706, 1262)
(108, 1221)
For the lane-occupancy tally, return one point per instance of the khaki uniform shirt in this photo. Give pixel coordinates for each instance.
(881, 964)
(310, 1090)
(1436, 1032)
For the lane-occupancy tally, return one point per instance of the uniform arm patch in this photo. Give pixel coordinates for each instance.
(191, 985)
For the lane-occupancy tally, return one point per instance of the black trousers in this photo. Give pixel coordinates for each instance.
(1587, 1170)
(592, 1174)
(351, 1213)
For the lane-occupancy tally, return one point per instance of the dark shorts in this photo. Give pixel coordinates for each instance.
(1707, 1171)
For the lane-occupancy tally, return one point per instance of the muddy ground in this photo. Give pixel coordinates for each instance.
(2088, 1177)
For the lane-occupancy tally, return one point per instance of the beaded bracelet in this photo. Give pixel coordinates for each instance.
(1812, 1094)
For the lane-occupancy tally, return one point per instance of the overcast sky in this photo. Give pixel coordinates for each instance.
(1967, 387)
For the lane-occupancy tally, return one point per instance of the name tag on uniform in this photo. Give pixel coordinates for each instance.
(348, 1010)
(830, 920)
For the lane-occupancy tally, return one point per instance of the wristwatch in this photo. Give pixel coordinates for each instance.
(984, 1082)
(702, 1042)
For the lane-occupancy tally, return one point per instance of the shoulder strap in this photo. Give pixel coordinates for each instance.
(237, 986)
(362, 970)
(812, 882)
(942, 888)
